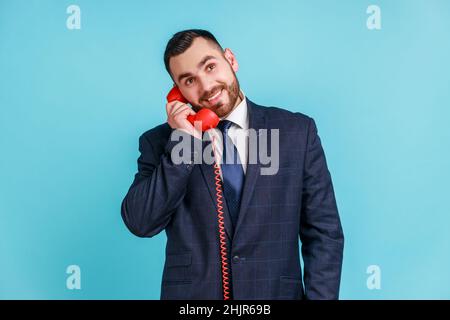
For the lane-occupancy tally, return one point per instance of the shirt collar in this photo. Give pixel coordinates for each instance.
(239, 115)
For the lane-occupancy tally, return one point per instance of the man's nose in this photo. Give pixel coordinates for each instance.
(206, 87)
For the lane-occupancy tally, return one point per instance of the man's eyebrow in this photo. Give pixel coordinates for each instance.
(199, 65)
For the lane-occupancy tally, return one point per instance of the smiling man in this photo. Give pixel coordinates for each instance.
(212, 83)
(266, 217)
(209, 82)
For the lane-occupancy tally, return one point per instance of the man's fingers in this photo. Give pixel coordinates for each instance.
(177, 113)
(185, 110)
(171, 107)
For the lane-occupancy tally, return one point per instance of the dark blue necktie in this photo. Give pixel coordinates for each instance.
(232, 172)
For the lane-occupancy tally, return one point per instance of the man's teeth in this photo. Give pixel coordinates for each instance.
(215, 96)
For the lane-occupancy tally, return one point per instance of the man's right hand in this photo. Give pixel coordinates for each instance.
(177, 113)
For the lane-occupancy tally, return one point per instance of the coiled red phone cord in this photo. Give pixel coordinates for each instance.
(223, 244)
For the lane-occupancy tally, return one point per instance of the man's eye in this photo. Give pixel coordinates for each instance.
(211, 66)
(189, 81)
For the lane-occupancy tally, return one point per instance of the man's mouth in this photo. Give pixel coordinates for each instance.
(215, 98)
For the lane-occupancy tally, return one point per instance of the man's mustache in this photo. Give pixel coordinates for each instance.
(212, 92)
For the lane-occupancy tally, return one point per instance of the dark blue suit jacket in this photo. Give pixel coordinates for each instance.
(276, 211)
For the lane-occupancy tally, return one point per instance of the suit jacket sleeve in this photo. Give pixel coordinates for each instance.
(320, 227)
(157, 190)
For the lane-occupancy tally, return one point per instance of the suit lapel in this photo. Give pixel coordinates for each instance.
(256, 122)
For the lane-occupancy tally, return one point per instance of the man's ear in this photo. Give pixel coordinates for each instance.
(229, 55)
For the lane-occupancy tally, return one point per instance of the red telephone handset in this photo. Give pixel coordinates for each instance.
(208, 118)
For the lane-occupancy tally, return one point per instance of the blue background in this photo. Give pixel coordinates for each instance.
(74, 102)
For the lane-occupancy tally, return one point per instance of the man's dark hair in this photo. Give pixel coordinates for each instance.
(181, 41)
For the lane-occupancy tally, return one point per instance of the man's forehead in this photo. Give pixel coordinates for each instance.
(189, 60)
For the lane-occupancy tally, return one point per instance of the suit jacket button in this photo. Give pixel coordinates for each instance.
(236, 259)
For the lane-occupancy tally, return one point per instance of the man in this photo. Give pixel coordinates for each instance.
(265, 215)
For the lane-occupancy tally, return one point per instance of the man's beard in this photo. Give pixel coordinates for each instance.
(233, 93)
